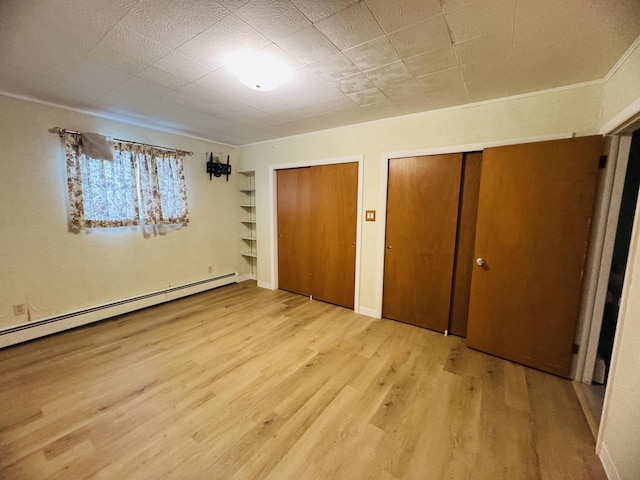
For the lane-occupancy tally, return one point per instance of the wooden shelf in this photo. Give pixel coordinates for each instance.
(247, 190)
(250, 254)
(250, 239)
(252, 222)
(248, 206)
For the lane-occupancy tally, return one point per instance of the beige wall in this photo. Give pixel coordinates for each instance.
(56, 271)
(622, 88)
(568, 111)
(619, 440)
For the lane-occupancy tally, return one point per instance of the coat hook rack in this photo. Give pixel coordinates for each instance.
(215, 168)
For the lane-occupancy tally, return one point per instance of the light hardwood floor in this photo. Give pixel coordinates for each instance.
(246, 383)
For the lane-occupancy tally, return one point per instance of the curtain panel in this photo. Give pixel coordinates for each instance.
(140, 185)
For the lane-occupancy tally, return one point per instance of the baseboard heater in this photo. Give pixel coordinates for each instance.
(47, 326)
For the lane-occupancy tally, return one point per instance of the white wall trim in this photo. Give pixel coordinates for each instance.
(369, 312)
(47, 326)
(623, 120)
(115, 118)
(622, 59)
(273, 220)
(245, 277)
(607, 462)
(439, 110)
(384, 175)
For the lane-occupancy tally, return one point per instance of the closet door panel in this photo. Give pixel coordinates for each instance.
(333, 237)
(422, 216)
(466, 236)
(294, 199)
(534, 213)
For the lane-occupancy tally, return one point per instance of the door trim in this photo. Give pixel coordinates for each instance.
(384, 174)
(273, 218)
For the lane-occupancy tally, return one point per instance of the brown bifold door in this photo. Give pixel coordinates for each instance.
(294, 197)
(333, 243)
(534, 214)
(317, 221)
(422, 216)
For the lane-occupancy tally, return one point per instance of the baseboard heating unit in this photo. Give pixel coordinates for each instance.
(47, 326)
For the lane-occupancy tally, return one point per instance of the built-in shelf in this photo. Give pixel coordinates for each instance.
(248, 220)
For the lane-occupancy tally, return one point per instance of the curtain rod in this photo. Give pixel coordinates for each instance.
(62, 131)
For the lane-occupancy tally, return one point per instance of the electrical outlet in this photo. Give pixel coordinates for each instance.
(20, 309)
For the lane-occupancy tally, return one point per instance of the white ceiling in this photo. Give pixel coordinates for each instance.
(159, 62)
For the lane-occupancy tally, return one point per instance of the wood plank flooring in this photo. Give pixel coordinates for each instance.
(246, 383)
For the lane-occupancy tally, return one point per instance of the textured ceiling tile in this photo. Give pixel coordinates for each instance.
(127, 51)
(368, 97)
(432, 62)
(391, 74)
(479, 18)
(316, 10)
(373, 54)
(139, 89)
(394, 15)
(333, 67)
(308, 45)
(226, 37)
(421, 37)
(619, 19)
(354, 83)
(535, 69)
(487, 80)
(445, 84)
(233, 5)
(494, 46)
(409, 90)
(181, 66)
(352, 26)
(275, 51)
(96, 77)
(161, 77)
(172, 22)
(273, 18)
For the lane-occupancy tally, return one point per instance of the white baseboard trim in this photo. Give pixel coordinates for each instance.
(244, 278)
(263, 284)
(46, 326)
(607, 463)
(369, 312)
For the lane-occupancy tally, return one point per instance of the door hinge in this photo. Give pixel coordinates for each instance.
(575, 348)
(603, 161)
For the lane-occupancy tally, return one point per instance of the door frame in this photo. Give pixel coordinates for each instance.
(273, 217)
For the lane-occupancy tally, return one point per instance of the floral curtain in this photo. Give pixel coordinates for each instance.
(105, 193)
(162, 187)
(101, 193)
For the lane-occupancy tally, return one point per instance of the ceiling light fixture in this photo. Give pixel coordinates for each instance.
(259, 71)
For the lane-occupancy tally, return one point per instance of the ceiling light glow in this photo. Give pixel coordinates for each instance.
(259, 71)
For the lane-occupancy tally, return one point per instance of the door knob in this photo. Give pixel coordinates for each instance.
(389, 247)
(480, 261)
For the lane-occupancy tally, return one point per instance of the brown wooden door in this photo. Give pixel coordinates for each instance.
(333, 225)
(465, 241)
(294, 229)
(422, 214)
(534, 214)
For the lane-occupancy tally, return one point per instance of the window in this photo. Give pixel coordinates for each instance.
(142, 185)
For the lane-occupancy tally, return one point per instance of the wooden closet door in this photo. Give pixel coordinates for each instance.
(534, 213)
(294, 229)
(465, 241)
(422, 216)
(333, 226)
